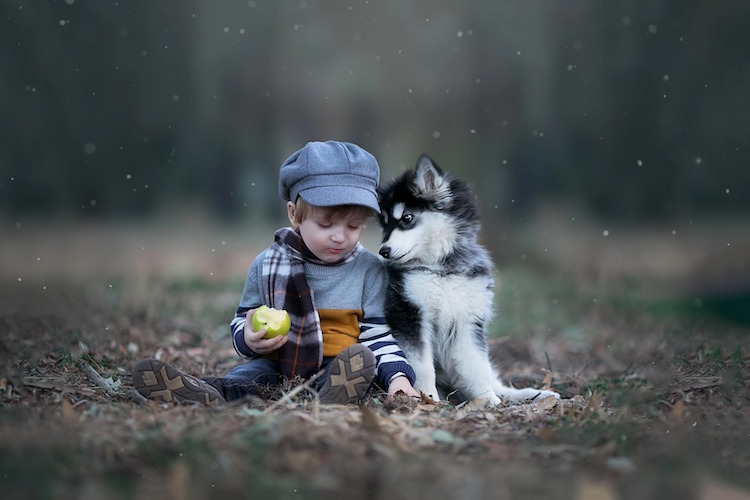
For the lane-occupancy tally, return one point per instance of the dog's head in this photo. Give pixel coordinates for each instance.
(424, 215)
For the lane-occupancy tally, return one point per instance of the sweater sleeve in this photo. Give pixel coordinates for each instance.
(390, 360)
(375, 332)
(252, 297)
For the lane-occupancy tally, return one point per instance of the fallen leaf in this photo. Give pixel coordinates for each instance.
(678, 411)
(592, 406)
(68, 412)
(477, 404)
(426, 399)
(546, 404)
(547, 382)
(369, 419)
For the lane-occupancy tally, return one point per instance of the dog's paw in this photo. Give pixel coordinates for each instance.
(545, 394)
(527, 395)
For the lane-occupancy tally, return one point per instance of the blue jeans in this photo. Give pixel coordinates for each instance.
(251, 377)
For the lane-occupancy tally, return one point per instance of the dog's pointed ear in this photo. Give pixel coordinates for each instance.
(430, 182)
(429, 175)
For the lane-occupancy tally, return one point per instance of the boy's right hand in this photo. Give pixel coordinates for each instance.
(255, 340)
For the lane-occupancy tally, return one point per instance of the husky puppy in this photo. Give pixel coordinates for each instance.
(440, 291)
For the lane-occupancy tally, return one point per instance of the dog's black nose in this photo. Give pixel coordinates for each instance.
(385, 251)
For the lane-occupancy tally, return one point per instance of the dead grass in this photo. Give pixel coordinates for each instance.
(656, 400)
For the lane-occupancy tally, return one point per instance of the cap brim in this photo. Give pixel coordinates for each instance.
(340, 195)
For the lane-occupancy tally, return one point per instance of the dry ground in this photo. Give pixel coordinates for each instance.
(656, 392)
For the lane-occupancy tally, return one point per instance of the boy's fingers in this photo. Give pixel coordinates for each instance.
(269, 344)
(257, 335)
(281, 339)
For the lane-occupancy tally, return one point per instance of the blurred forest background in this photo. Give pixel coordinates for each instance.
(608, 142)
(585, 124)
(632, 110)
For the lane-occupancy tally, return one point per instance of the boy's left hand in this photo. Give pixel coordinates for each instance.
(401, 383)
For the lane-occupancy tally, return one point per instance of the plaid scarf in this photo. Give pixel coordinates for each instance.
(285, 287)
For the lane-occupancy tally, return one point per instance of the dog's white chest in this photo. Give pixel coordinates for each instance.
(449, 297)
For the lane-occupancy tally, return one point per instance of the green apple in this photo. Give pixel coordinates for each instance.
(274, 321)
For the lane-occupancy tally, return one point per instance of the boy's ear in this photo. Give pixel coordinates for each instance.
(291, 211)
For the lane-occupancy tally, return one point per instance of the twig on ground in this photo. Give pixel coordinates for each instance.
(91, 359)
(698, 383)
(295, 391)
(97, 379)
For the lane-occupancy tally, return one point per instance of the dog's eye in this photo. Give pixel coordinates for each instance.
(407, 218)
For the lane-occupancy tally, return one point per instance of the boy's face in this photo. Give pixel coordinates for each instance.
(330, 239)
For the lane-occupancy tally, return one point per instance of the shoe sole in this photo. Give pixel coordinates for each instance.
(349, 377)
(155, 379)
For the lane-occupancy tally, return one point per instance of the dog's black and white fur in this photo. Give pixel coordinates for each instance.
(440, 294)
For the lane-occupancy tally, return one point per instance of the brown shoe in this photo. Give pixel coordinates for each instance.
(156, 379)
(350, 376)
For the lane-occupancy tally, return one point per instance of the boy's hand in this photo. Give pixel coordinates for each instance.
(255, 340)
(401, 383)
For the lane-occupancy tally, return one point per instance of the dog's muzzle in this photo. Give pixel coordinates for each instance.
(385, 251)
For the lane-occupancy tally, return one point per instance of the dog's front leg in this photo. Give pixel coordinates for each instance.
(470, 366)
(422, 361)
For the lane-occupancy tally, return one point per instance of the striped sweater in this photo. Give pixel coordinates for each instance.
(349, 298)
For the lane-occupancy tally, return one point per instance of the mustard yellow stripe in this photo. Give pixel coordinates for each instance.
(340, 329)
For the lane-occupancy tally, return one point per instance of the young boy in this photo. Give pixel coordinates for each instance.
(331, 286)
